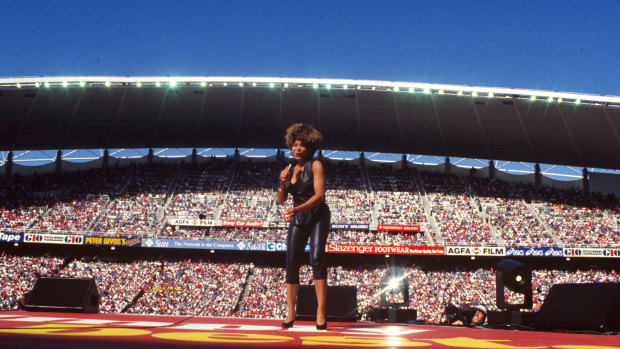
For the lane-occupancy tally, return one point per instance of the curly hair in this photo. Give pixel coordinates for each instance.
(309, 136)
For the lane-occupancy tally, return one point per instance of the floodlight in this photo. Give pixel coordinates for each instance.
(286, 85)
(374, 88)
(315, 85)
(460, 93)
(64, 84)
(158, 84)
(345, 86)
(578, 101)
(359, 87)
(550, 99)
(328, 86)
(474, 94)
(516, 277)
(441, 92)
(411, 90)
(491, 95)
(203, 84)
(172, 83)
(107, 84)
(240, 84)
(271, 84)
(19, 85)
(138, 84)
(560, 100)
(37, 84)
(395, 284)
(532, 98)
(47, 84)
(82, 84)
(225, 84)
(427, 90)
(254, 84)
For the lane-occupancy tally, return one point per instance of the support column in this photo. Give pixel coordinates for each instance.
(106, 159)
(8, 174)
(447, 167)
(59, 162)
(537, 175)
(586, 181)
(404, 162)
(149, 159)
(237, 154)
(362, 159)
(491, 169)
(194, 156)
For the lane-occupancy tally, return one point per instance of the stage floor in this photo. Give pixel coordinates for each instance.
(92, 331)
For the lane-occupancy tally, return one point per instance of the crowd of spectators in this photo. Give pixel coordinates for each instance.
(225, 234)
(456, 211)
(250, 196)
(507, 211)
(24, 198)
(580, 225)
(184, 233)
(384, 238)
(395, 195)
(188, 287)
(133, 213)
(118, 282)
(200, 189)
(88, 194)
(467, 211)
(18, 275)
(204, 288)
(346, 194)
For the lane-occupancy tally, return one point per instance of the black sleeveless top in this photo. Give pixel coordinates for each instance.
(302, 191)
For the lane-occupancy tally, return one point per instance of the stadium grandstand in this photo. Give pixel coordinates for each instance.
(163, 189)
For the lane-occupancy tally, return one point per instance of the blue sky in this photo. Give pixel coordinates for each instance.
(551, 45)
(569, 46)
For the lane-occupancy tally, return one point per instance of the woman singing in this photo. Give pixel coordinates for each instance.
(309, 218)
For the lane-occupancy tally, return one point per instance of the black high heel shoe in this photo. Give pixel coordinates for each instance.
(288, 324)
(321, 327)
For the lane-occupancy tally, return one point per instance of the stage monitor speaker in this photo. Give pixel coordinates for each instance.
(70, 295)
(341, 304)
(395, 315)
(593, 307)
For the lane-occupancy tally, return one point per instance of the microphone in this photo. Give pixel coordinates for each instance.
(289, 169)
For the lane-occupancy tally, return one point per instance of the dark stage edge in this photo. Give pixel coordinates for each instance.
(20, 329)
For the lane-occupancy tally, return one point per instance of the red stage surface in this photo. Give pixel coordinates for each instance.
(63, 330)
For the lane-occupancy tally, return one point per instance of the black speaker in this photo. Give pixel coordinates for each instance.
(341, 304)
(70, 295)
(395, 315)
(594, 307)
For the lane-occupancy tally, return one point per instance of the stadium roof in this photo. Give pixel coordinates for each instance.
(354, 115)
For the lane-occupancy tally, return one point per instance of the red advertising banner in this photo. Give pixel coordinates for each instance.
(404, 228)
(377, 249)
(242, 224)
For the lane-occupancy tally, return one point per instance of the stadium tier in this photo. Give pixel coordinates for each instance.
(372, 204)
